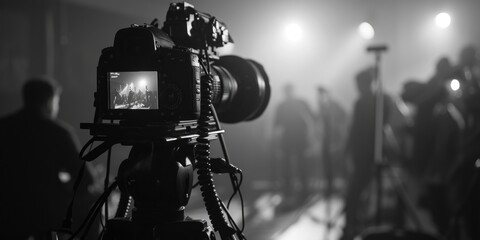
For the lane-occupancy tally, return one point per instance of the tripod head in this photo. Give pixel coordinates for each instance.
(158, 177)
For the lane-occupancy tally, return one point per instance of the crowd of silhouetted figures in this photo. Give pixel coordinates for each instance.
(430, 131)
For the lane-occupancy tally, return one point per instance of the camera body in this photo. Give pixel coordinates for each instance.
(153, 75)
(152, 78)
(144, 77)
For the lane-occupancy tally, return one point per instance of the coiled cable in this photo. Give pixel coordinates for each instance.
(202, 155)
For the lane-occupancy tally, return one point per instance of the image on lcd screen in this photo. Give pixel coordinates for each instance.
(133, 90)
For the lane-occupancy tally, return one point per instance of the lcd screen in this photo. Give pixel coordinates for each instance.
(133, 90)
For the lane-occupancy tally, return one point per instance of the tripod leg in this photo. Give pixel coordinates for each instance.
(401, 191)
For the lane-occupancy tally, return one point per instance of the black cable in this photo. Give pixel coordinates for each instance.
(241, 179)
(205, 176)
(230, 200)
(92, 219)
(107, 179)
(238, 231)
(91, 213)
(235, 189)
(89, 143)
(235, 184)
(94, 210)
(241, 201)
(107, 175)
(68, 221)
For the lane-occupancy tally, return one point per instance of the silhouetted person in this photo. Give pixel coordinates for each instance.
(332, 123)
(426, 97)
(131, 98)
(360, 148)
(293, 121)
(38, 164)
(148, 97)
(117, 99)
(436, 137)
(466, 177)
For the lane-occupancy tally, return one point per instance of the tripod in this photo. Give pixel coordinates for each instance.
(157, 177)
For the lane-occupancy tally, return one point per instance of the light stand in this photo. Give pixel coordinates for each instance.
(331, 220)
(379, 111)
(378, 146)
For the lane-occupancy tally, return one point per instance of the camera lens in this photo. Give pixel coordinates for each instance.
(241, 89)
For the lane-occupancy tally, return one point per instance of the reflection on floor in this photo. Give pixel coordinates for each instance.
(269, 217)
(318, 219)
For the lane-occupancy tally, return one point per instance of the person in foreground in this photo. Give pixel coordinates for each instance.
(38, 164)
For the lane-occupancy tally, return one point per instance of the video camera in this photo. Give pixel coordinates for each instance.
(152, 77)
(159, 90)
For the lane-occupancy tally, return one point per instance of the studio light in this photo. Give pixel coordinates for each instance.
(293, 32)
(366, 30)
(443, 20)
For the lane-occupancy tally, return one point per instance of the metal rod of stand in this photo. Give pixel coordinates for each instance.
(378, 144)
(326, 154)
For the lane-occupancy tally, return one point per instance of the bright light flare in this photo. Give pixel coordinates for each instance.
(366, 30)
(293, 32)
(455, 85)
(142, 83)
(443, 20)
